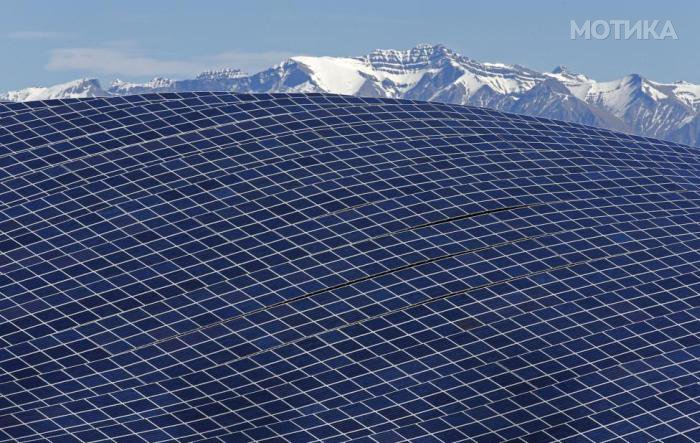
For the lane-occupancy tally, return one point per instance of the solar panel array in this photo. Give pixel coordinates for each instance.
(307, 267)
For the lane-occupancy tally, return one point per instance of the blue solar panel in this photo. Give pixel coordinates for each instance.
(308, 267)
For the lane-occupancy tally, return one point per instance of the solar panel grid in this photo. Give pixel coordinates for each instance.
(440, 238)
(303, 96)
(245, 325)
(433, 107)
(168, 171)
(351, 269)
(309, 247)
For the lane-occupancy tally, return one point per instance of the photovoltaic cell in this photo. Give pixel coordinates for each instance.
(309, 267)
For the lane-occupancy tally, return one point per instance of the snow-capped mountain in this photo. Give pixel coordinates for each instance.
(435, 73)
(206, 81)
(74, 89)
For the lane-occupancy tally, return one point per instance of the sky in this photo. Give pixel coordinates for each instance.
(48, 42)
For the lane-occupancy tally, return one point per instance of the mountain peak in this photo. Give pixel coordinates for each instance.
(80, 88)
(578, 84)
(421, 56)
(428, 46)
(227, 73)
(121, 87)
(632, 79)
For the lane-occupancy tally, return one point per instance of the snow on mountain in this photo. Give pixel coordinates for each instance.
(73, 89)
(436, 73)
(342, 75)
(206, 81)
(577, 84)
(160, 84)
(686, 92)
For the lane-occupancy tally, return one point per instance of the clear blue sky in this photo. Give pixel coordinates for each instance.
(47, 42)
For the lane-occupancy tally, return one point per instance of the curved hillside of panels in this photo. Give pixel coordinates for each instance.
(229, 268)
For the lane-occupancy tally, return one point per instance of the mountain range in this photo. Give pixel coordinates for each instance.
(632, 104)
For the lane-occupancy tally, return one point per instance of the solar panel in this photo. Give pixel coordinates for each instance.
(310, 267)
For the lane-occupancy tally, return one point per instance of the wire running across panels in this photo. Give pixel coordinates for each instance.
(309, 267)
